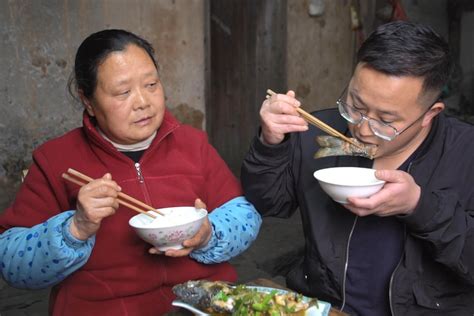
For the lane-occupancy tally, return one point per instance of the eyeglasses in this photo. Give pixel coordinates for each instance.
(380, 129)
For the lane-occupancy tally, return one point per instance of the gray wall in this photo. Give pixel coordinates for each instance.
(319, 53)
(39, 40)
(460, 101)
(429, 12)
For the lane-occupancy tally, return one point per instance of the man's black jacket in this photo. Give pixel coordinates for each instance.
(435, 275)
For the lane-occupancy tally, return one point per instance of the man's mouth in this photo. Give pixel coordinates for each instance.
(364, 142)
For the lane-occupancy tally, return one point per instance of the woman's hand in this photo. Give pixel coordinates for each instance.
(199, 240)
(95, 201)
(278, 116)
(399, 195)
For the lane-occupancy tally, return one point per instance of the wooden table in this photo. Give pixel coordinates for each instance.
(257, 282)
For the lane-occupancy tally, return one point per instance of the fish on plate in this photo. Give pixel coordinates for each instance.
(207, 297)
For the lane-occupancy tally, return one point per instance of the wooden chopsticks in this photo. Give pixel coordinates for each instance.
(81, 179)
(321, 125)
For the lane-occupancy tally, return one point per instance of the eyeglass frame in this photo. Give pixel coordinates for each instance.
(341, 103)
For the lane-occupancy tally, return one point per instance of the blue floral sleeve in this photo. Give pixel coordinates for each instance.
(42, 255)
(235, 226)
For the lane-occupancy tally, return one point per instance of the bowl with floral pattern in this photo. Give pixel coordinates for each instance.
(168, 231)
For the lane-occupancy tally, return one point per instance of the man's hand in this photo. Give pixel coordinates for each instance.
(399, 195)
(199, 240)
(278, 116)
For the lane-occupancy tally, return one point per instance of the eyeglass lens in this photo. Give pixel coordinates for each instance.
(354, 116)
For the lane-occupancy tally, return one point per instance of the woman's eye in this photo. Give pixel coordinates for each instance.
(122, 95)
(152, 84)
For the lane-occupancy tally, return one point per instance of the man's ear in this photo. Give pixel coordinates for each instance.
(435, 109)
(87, 103)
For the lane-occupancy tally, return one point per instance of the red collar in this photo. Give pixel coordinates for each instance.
(168, 125)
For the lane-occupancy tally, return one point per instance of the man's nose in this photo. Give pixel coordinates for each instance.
(364, 127)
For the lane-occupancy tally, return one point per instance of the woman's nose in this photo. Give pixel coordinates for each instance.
(141, 100)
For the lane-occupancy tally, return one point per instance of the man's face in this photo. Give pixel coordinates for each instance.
(396, 101)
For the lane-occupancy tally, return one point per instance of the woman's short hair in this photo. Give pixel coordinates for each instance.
(94, 50)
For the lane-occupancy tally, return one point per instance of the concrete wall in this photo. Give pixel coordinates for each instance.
(320, 52)
(39, 40)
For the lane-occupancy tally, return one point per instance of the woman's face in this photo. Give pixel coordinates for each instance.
(128, 102)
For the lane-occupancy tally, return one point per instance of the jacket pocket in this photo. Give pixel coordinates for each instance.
(296, 279)
(443, 297)
(311, 278)
(424, 297)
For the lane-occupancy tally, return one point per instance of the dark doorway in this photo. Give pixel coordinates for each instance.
(247, 56)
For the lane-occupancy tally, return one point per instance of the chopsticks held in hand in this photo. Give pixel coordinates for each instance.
(321, 125)
(80, 179)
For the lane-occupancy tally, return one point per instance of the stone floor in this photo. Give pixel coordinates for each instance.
(279, 242)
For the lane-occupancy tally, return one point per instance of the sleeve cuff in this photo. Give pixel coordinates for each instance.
(211, 243)
(69, 239)
(272, 150)
(423, 214)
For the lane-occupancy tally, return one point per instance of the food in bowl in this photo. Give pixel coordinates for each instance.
(168, 231)
(343, 182)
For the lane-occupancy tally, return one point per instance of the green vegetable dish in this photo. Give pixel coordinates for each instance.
(219, 298)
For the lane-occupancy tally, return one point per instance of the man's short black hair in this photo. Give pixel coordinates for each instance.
(404, 48)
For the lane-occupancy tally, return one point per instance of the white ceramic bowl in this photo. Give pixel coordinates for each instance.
(343, 182)
(169, 231)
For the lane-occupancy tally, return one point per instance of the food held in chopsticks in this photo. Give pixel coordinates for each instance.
(323, 126)
(333, 146)
(222, 298)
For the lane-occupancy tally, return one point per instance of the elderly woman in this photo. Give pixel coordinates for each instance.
(78, 239)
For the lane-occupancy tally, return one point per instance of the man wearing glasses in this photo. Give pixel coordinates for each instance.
(408, 249)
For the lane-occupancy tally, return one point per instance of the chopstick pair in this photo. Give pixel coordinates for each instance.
(81, 179)
(320, 124)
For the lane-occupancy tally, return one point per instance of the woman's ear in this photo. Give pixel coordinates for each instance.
(87, 103)
(435, 109)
